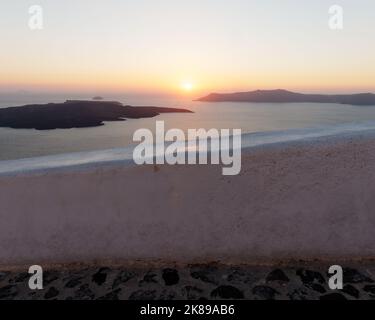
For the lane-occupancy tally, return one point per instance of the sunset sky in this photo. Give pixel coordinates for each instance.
(197, 46)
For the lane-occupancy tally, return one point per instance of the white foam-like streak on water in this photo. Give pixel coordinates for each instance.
(124, 156)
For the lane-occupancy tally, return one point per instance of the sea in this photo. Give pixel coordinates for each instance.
(260, 123)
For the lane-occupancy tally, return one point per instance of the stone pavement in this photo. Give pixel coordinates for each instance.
(300, 281)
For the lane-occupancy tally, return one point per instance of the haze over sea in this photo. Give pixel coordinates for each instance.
(267, 122)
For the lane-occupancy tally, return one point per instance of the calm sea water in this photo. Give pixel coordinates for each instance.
(250, 117)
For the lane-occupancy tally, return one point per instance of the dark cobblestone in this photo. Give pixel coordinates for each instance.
(121, 278)
(170, 277)
(227, 292)
(351, 290)
(309, 276)
(333, 296)
(148, 279)
(354, 276)
(8, 292)
(265, 292)
(370, 289)
(192, 282)
(111, 295)
(72, 283)
(51, 293)
(84, 293)
(100, 277)
(191, 293)
(143, 295)
(205, 273)
(277, 275)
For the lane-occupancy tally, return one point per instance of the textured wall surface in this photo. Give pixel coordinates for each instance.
(302, 201)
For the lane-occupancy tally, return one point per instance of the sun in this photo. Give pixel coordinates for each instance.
(187, 86)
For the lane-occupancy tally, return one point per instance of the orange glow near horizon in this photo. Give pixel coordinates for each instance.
(153, 47)
(90, 83)
(170, 78)
(195, 78)
(97, 79)
(166, 84)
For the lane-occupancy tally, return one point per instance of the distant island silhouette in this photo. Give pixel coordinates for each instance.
(75, 114)
(284, 96)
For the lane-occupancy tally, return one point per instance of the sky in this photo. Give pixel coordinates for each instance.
(187, 47)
